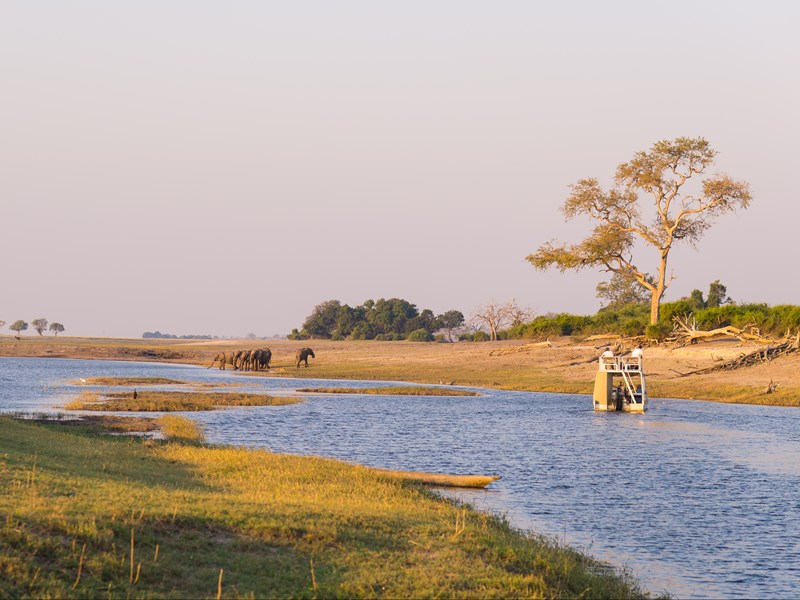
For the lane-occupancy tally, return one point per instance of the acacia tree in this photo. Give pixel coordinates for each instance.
(40, 325)
(680, 213)
(19, 326)
(56, 328)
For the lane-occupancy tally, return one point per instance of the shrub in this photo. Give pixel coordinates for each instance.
(420, 335)
(658, 331)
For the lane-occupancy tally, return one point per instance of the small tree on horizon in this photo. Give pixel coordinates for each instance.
(19, 326)
(450, 320)
(56, 328)
(40, 325)
(678, 214)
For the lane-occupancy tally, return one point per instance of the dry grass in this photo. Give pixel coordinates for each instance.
(158, 401)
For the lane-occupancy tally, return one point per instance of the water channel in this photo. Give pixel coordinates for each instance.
(698, 499)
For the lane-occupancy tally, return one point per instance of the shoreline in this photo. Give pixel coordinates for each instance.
(564, 366)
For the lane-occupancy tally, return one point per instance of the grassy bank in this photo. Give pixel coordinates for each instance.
(156, 401)
(89, 516)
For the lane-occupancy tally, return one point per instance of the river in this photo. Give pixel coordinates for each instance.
(696, 498)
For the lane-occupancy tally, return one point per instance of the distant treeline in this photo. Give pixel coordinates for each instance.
(392, 319)
(171, 336)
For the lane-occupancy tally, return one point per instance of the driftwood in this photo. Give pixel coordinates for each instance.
(602, 336)
(686, 331)
(525, 348)
(762, 355)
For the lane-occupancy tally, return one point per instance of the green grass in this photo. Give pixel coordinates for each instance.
(89, 516)
(154, 401)
(398, 390)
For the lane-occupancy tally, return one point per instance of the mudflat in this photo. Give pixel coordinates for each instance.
(565, 365)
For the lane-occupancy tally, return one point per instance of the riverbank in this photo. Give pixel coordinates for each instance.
(90, 515)
(566, 366)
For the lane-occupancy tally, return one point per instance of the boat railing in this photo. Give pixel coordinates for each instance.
(620, 363)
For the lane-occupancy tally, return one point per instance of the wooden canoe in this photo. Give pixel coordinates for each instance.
(467, 481)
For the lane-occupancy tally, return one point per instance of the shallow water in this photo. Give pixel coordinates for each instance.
(700, 499)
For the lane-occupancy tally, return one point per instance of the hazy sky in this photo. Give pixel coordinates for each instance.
(222, 167)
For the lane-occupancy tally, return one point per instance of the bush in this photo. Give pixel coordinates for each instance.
(658, 331)
(420, 335)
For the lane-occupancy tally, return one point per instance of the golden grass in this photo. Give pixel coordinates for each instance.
(180, 428)
(94, 516)
(159, 401)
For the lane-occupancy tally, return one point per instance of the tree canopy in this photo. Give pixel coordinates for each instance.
(678, 212)
(19, 326)
(40, 325)
(384, 319)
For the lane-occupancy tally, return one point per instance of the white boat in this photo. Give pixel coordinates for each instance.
(620, 385)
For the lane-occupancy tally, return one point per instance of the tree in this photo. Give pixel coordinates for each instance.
(449, 321)
(321, 323)
(696, 300)
(18, 326)
(494, 316)
(40, 325)
(56, 328)
(620, 291)
(717, 295)
(680, 213)
(2, 323)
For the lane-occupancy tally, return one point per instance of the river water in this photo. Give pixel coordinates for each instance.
(696, 498)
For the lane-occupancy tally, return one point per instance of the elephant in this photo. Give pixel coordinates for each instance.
(302, 356)
(237, 359)
(261, 358)
(223, 358)
(249, 360)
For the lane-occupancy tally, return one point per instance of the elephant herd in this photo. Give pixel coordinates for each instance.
(254, 360)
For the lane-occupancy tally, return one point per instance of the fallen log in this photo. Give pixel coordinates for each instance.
(525, 348)
(441, 479)
(688, 333)
(762, 355)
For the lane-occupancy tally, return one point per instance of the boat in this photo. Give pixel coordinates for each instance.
(620, 385)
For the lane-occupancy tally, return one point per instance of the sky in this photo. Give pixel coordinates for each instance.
(221, 168)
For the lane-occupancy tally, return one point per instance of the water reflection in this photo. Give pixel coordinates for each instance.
(696, 498)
